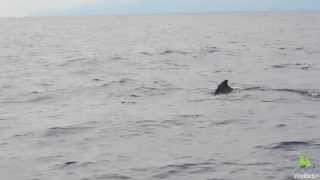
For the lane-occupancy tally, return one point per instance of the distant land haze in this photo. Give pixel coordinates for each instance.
(16, 8)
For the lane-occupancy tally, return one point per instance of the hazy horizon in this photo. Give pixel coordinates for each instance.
(15, 8)
(166, 13)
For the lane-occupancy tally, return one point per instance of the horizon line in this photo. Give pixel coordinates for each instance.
(168, 12)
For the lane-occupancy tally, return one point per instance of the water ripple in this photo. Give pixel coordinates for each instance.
(68, 130)
(313, 93)
(113, 177)
(291, 145)
(189, 168)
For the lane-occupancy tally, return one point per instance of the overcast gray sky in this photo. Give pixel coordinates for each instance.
(87, 7)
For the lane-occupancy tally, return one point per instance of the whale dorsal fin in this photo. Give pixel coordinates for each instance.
(223, 88)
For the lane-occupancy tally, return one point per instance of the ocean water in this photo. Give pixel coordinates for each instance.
(130, 97)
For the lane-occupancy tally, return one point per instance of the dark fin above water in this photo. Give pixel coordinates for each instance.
(223, 88)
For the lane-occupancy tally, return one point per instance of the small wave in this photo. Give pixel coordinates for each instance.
(128, 102)
(290, 145)
(72, 61)
(69, 130)
(166, 52)
(310, 93)
(36, 99)
(303, 92)
(157, 88)
(173, 122)
(299, 48)
(199, 90)
(191, 116)
(113, 176)
(122, 81)
(281, 125)
(247, 164)
(151, 88)
(69, 163)
(149, 124)
(200, 100)
(210, 50)
(149, 91)
(27, 134)
(146, 53)
(223, 123)
(303, 66)
(189, 168)
(116, 58)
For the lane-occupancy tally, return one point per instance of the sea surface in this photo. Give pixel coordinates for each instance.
(130, 97)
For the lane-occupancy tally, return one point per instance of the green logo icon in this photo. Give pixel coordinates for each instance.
(304, 162)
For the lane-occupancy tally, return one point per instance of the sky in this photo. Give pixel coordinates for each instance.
(17, 8)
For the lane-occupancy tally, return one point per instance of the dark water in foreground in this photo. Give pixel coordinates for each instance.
(131, 97)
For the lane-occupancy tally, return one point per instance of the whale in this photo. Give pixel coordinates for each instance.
(223, 88)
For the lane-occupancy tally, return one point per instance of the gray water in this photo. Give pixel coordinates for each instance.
(130, 97)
